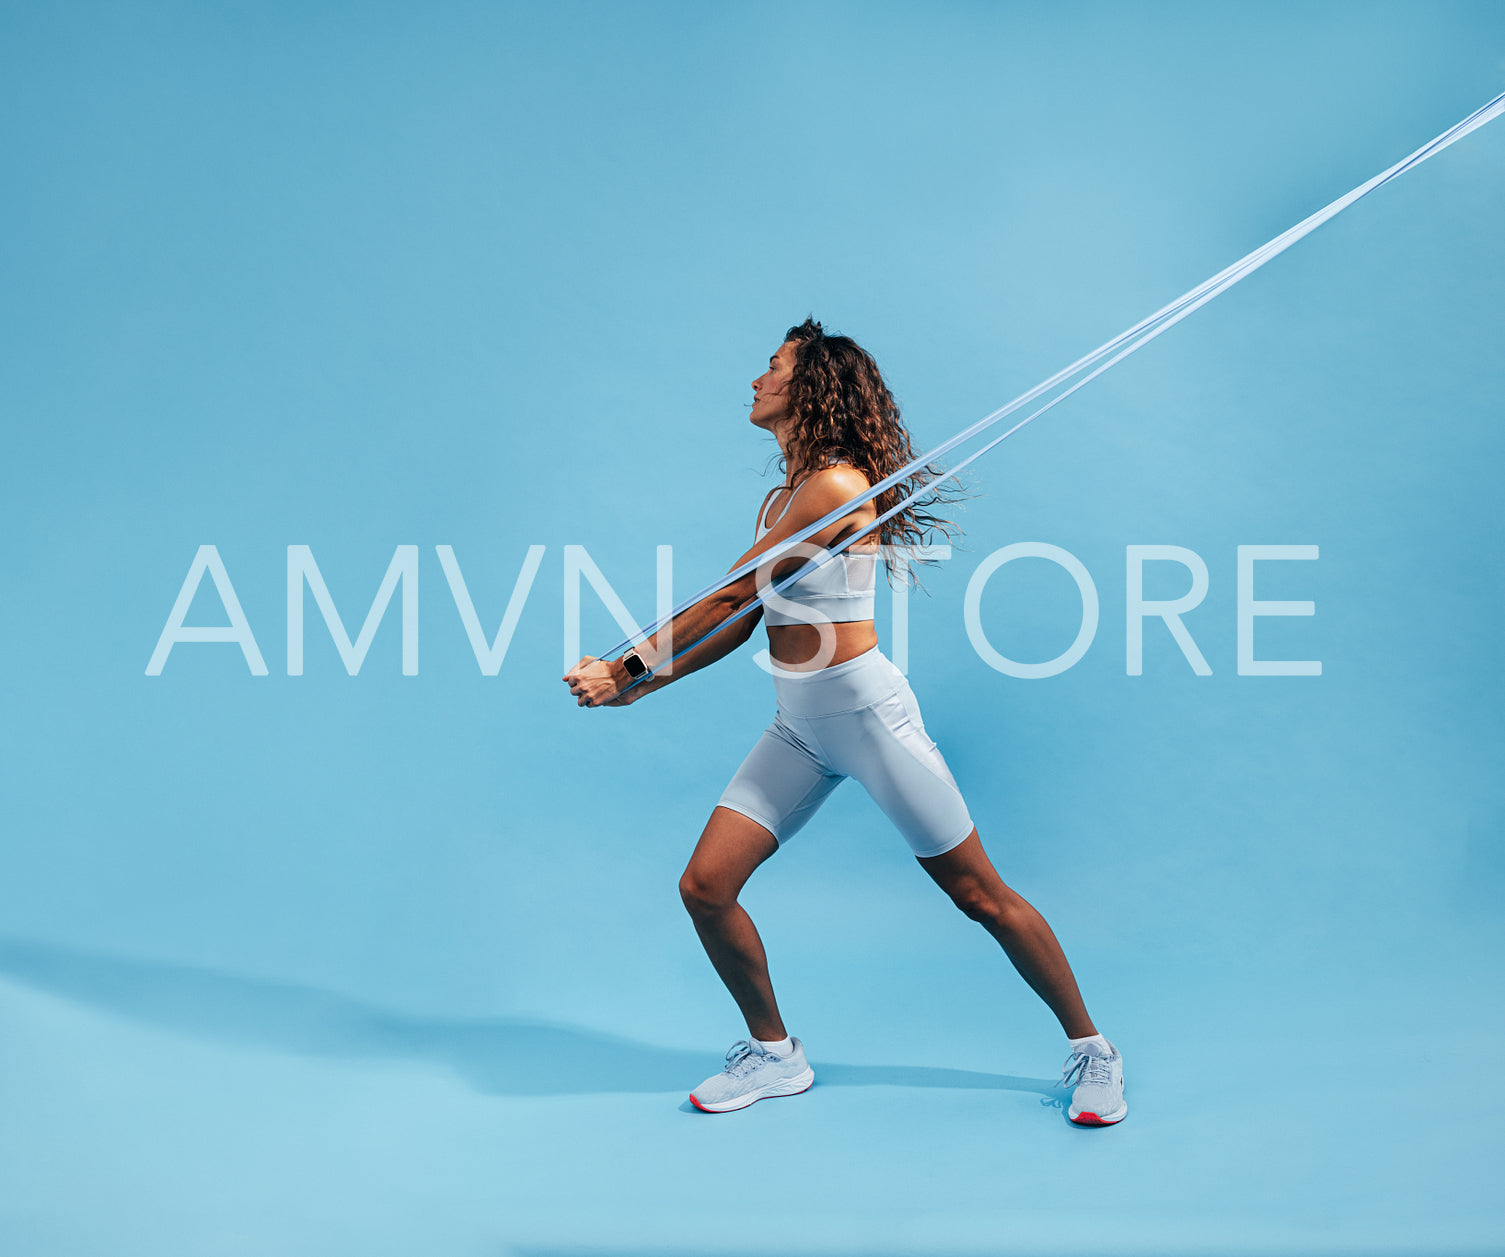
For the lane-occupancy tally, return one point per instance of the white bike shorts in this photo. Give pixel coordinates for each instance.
(855, 719)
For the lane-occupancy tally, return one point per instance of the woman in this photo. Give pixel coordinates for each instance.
(843, 710)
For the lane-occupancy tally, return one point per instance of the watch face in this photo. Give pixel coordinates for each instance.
(634, 664)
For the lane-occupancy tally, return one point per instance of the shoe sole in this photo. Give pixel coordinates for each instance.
(1088, 1118)
(784, 1087)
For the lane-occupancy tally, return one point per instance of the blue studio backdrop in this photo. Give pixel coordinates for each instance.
(371, 943)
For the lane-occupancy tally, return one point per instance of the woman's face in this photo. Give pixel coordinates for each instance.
(771, 389)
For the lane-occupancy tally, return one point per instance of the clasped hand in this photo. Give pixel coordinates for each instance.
(594, 683)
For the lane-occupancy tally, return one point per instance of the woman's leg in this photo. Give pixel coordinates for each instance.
(968, 876)
(886, 748)
(731, 846)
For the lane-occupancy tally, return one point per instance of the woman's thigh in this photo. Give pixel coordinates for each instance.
(886, 748)
(782, 782)
(731, 846)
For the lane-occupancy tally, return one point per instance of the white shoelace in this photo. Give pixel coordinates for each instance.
(1087, 1068)
(740, 1057)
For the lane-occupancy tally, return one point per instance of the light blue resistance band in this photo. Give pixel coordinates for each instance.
(1120, 347)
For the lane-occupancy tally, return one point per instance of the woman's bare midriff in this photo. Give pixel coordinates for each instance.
(795, 646)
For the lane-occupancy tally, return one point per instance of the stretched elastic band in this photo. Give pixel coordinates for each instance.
(1113, 351)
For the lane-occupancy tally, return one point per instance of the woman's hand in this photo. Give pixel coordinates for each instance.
(598, 683)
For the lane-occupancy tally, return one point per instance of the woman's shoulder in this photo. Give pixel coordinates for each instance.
(844, 481)
(822, 488)
(838, 482)
(847, 482)
(840, 473)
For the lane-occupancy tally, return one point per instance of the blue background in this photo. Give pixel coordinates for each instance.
(385, 964)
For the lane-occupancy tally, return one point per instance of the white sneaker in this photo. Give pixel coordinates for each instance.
(1098, 1098)
(751, 1074)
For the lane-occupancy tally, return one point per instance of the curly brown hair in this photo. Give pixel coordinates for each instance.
(841, 409)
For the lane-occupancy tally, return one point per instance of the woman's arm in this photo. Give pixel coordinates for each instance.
(597, 682)
(720, 643)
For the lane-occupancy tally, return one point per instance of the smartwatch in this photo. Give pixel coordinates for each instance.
(634, 664)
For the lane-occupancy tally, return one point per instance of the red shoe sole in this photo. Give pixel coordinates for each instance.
(1092, 1119)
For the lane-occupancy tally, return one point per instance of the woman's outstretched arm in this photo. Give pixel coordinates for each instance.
(718, 644)
(598, 682)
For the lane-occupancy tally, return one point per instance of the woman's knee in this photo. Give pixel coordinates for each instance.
(704, 895)
(974, 900)
(985, 904)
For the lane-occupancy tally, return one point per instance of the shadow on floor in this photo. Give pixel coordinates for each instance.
(497, 1055)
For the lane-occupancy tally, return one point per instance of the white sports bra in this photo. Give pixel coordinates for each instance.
(842, 589)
